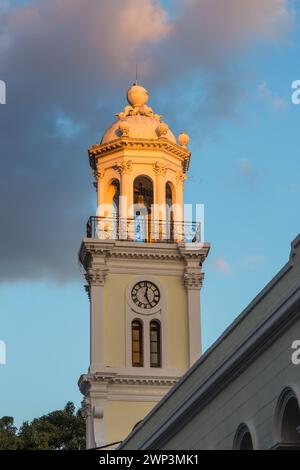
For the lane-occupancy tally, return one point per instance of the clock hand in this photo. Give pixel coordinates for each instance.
(146, 295)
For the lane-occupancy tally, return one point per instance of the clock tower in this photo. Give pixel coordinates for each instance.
(143, 267)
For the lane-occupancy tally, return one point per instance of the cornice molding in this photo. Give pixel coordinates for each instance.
(100, 150)
(194, 252)
(91, 248)
(144, 255)
(94, 248)
(87, 380)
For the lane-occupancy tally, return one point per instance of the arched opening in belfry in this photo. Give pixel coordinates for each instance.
(108, 214)
(143, 192)
(115, 185)
(170, 201)
(143, 204)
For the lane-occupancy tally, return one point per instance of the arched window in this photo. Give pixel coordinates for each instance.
(137, 343)
(155, 346)
(243, 439)
(143, 192)
(143, 202)
(116, 198)
(291, 422)
(287, 419)
(170, 213)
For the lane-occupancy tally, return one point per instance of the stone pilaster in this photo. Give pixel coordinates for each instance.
(126, 194)
(99, 176)
(160, 215)
(96, 279)
(193, 279)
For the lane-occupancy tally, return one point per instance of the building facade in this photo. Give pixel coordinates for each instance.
(244, 392)
(143, 266)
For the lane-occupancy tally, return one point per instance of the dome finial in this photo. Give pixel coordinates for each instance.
(183, 139)
(137, 95)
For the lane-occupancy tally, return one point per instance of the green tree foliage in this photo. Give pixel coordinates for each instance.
(58, 430)
(8, 436)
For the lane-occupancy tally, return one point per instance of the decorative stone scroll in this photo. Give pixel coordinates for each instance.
(96, 277)
(143, 110)
(193, 280)
(159, 169)
(181, 178)
(123, 168)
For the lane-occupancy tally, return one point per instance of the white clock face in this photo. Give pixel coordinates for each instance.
(145, 295)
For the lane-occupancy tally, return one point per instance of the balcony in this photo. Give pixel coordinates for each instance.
(143, 229)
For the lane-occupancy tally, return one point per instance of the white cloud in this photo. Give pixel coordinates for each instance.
(252, 262)
(274, 100)
(246, 171)
(245, 166)
(65, 127)
(221, 265)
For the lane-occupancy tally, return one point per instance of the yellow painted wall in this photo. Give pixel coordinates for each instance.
(176, 321)
(121, 416)
(114, 319)
(176, 324)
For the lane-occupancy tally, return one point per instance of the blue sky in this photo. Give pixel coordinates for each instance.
(245, 169)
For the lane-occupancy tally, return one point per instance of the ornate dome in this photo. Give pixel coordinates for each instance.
(137, 120)
(140, 127)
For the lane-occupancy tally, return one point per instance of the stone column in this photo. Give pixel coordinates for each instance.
(179, 208)
(126, 198)
(99, 175)
(93, 409)
(159, 231)
(87, 414)
(193, 282)
(96, 279)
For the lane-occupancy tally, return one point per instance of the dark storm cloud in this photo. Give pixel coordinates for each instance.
(67, 64)
(63, 62)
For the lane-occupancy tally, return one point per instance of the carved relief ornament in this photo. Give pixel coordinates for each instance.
(159, 169)
(193, 280)
(123, 168)
(181, 178)
(99, 174)
(96, 277)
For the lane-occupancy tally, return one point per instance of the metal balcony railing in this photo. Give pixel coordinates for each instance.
(143, 229)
